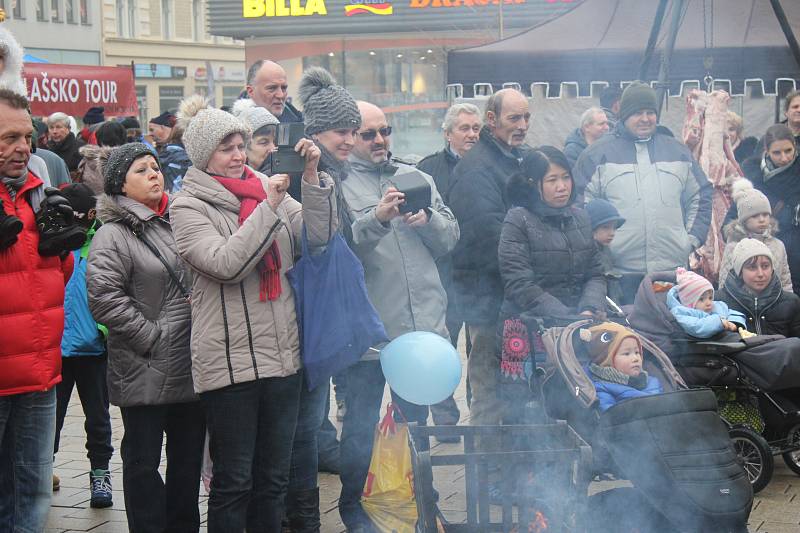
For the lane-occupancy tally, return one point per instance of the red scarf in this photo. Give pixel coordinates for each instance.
(250, 192)
(162, 205)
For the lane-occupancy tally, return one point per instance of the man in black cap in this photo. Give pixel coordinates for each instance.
(160, 128)
(655, 183)
(91, 121)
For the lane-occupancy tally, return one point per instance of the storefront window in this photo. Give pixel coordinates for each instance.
(408, 83)
(169, 98)
(230, 95)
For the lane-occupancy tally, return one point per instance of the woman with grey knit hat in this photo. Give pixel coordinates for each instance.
(263, 125)
(240, 233)
(137, 286)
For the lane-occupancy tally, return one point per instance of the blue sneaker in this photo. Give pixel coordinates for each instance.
(100, 485)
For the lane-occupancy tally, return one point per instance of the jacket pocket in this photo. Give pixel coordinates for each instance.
(362, 203)
(672, 178)
(619, 185)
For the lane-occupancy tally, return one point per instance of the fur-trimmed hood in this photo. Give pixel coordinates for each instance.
(735, 232)
(92, 152)
(11, 77)
(123, 210)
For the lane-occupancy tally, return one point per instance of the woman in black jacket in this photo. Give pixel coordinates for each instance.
(548, 260)
(776, 173)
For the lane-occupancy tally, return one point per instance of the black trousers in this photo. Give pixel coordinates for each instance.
(88, 375)
(153, 504)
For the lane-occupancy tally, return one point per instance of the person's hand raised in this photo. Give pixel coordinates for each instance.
(278, 185)
(389, 206)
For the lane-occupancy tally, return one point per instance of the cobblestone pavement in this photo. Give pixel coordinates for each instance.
(776, 509)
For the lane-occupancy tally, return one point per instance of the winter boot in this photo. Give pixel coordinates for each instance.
(58, 231)
(303, 511)
(100, 485)
(10, 227)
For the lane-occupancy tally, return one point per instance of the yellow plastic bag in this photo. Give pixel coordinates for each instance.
(388, 497)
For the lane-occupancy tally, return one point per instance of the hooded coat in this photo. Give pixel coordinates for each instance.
(548, 260)
(574, 146)
(478, 200)
(133, 295)
(782, 188)
(735, 232)
(32, 306)
(660, 190)
(773, 312)
(236, 337)
(90, 169)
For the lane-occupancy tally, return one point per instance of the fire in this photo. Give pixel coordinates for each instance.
(538, 524)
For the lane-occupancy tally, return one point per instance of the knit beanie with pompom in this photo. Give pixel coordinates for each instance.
(749, 201)
(205, 127)
(253, 115)
(326, 106)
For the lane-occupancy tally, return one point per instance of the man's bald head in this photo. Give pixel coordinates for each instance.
(508, 116)
(267, 87)
(373, 120)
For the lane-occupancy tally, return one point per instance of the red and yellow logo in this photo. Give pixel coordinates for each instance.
(365, 6)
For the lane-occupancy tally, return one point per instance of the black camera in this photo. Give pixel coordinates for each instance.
(284, 159)
(415, 187)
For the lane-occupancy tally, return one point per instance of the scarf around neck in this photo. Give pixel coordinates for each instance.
(250, 192)
(770, 170)
(15, 184)
(611, 374)
(338, 170)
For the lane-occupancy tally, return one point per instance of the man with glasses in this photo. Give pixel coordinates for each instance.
(462, 126)
(398, 252)
(267, 87)
(477, 197)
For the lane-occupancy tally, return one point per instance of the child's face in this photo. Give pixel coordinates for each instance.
(628, 358)
(758, 223)
(604, 233)
(706, 302)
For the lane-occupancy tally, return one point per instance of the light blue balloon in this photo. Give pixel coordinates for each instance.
(421, 367)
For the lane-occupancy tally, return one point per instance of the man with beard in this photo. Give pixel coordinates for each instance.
(462, 126)
(478, 200)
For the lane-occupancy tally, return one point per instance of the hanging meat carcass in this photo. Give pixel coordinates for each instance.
(704, 132)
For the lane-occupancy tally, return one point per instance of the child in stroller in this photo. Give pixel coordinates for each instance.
(616, 365)
(692, 303)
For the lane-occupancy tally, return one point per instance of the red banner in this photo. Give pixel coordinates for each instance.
(73, 89)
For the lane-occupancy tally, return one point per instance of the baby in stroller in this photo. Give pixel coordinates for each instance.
(616, 365)
(692, 303)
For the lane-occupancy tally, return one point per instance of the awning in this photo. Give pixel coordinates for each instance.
(73, 89)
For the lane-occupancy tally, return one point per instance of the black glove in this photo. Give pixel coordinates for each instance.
(58, 231)
(10, 227)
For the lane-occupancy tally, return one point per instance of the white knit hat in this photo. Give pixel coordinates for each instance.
(253, 115)
(745, 250)
(749, 201)
(205, 128)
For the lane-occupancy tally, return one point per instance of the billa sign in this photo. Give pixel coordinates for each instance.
(244, 19)
(73, 89)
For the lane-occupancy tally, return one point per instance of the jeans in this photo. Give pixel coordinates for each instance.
(365, 384)
(305, 449)
(88, 375)
(153, 504)
(27, 427)
(251, 429)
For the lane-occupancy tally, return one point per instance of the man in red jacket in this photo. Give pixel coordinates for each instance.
(31, 323)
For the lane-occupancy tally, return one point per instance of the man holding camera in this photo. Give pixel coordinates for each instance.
(32, 279)
(397, 234)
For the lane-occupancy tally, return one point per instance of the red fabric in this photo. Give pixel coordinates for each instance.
(32, 306)
(250, 192)
(162, 205)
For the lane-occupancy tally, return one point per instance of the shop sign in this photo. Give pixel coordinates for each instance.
(73, 89)
(419, 4)
(282, 8)
(364, 7)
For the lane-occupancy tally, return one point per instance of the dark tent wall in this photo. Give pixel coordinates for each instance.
(604, 40)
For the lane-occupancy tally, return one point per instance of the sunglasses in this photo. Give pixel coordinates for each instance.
(370, 135)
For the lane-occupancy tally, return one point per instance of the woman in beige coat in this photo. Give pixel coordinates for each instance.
(240, 232)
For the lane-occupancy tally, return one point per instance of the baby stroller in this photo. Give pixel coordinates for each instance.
(673, 447)
(751, 377)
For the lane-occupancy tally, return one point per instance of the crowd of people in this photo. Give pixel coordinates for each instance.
(149, 271)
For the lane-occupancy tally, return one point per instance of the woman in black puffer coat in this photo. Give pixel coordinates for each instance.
(548, 261)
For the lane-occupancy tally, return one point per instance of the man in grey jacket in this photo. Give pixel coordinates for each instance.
(655, 184)
(398, 252)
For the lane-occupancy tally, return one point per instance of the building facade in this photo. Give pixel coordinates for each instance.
(172, 53)
(57, 31)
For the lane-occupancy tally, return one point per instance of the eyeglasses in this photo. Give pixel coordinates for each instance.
(370, 135)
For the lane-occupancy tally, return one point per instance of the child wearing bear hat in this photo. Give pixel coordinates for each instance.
(616, 367)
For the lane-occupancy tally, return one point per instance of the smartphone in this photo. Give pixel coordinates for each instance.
(284, 159)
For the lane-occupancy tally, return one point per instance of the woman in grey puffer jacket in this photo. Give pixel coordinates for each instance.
(148, 316)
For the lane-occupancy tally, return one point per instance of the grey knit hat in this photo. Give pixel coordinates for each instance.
(119, 161)
(745, 250)
(253, 115)
(749, 201)
(205, 127)
(635, 97)
(326, 106)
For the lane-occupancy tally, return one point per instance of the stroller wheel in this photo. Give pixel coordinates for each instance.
(792, 459)
(755, 455)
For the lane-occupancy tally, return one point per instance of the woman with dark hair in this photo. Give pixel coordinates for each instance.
(776, 173)
(548, 261)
